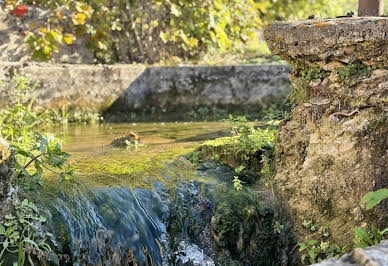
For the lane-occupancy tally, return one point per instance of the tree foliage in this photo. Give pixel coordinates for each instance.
(149, 31)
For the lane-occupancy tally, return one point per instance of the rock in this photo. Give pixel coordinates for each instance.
(132, 139)
(6, 175)
(342, 40)
(328, 156)
(371, 256)
(243, 225)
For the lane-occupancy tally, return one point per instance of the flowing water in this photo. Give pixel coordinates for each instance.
(143, 205)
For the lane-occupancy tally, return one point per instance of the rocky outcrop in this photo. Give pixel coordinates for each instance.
(334, 147)
(371, 256)
(6, 174)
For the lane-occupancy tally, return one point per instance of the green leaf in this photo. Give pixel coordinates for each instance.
(2, 230)
(5, 243)
(363, 235)
(375, 197)
(302, 246)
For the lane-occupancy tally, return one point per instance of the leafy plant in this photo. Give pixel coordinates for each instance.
(308, 224)
(278, 227)
(34, 152)
(150, 31)
(345, 74)
(373, 198)
(237, 183)
(364, 238)
(239, 169)
(22, 234)
(195, 157)
(316, 253)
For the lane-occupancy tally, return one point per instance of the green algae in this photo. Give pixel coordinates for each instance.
(99, 164)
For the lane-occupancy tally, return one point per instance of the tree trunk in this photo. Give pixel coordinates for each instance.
(370, 8)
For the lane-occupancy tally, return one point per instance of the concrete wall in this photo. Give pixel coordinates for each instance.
(128, 87)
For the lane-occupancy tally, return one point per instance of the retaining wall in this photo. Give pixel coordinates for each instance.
(128, 87)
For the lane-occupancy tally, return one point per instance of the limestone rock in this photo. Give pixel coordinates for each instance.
(371, 256)
(344, 40)
(334, 147)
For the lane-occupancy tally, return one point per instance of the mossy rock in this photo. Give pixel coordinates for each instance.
(126, 141)
(243, 224)
(228, 151)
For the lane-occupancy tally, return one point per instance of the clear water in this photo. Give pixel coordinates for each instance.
(136, 205)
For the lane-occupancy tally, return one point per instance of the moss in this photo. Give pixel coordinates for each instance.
(349, 72)
(112, 169)
(244, 225)
(246, 151)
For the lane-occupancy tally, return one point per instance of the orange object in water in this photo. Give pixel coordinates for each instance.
(135, 136)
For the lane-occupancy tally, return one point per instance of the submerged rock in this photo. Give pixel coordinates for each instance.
(132, 139)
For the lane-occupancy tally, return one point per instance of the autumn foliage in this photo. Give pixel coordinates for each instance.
(148, 31)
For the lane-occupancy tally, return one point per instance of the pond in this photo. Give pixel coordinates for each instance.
(143, 205)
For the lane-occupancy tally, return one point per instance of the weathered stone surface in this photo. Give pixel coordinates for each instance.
(169, 87)
(371, 256)
(85, 87)
(344, 39)
(94, 87)
(6, 174)
(334, 147)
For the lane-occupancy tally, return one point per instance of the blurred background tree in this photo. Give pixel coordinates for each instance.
(140, 31)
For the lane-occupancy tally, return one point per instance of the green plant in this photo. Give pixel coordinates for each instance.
(363, 238)
(237, 183)
(316, 253)
(308, 224)
(195, 157)
(33, 152)
(278, 227)
(22, 234)
(239, 169)
(373, 198)
(345, 74)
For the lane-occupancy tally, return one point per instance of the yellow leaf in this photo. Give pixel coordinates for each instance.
(164, 36)
(137, 20)
(146, 26)
(42, 30)
(102, 46)
(155, 23)
(59, 14)
(193, 42)
(68, 38)
(78, 19)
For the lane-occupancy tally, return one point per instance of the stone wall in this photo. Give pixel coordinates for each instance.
(128, 88)
(334, 147)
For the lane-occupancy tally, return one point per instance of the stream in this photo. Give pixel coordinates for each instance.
(143, 205)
